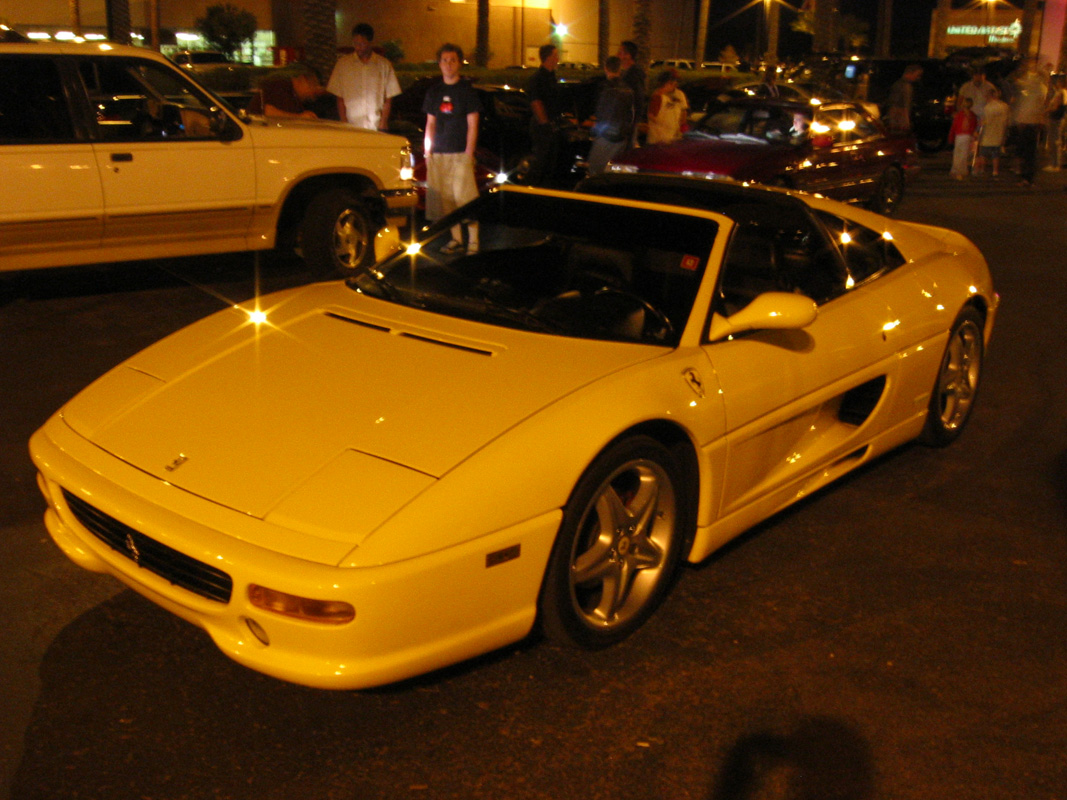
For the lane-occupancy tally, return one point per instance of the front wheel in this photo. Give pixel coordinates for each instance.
(336, 235)
(956, 387)
(888, 193)
(618, 546)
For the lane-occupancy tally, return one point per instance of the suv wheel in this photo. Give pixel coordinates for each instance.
(336, 235)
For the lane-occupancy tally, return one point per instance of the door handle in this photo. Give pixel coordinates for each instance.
(116, 157)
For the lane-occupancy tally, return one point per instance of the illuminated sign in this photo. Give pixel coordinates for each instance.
(998, 34)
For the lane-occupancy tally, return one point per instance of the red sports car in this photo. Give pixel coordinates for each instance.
(837, 150)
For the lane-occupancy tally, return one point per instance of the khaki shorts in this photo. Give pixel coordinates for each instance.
(449, 183)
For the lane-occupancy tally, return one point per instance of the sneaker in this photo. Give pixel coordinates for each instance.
(452, 247)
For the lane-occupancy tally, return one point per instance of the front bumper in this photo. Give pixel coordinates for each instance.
(411, 617)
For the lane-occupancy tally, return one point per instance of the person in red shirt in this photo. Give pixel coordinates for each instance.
(961, 136)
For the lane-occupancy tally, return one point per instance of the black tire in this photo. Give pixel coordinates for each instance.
(336, 235)
(618, 546)
(888, 193)
(958, 377)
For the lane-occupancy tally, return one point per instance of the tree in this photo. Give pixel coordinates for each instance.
(853, 31)
(75, 16)
(226, 27)
(702, 29)
(118, 21)
(643, 28)
(320, 49)
(603, 31)
(481, 48)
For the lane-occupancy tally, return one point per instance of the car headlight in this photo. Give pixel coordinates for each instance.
(626, 168)
(407, 164)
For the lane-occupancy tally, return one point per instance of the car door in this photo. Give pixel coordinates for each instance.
(51, 206)
(795, 400)
(168, 175)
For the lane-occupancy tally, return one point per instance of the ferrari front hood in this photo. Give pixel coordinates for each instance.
(246, 415)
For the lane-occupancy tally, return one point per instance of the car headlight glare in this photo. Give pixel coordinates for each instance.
(329, 612)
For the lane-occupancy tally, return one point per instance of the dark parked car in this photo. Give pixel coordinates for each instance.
(837, 149)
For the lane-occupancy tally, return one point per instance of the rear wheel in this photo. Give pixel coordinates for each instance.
(619, 544)
(336, 235)
(956, 388)
(888, 193)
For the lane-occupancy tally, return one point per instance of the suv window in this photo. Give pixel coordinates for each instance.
(142, 101)
(33, 106)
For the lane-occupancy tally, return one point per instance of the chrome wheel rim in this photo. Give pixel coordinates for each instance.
(623, 543)
(349, 240)
(958, 383)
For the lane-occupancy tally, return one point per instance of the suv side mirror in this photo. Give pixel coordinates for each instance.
(224, 127)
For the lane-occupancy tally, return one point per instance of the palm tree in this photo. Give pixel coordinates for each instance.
(603, 39)
(643, 28)
(118, 21)
(481, 49)
(76, 16)
(320, 30)
(884, 35)
(702, 29)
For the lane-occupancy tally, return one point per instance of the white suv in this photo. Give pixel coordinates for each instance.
(111, 153)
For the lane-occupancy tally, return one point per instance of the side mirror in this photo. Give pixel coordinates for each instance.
(386, 242)
(223, 126)
(769, 311)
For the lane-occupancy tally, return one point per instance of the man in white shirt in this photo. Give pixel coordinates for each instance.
(979, 90)
(364, 83)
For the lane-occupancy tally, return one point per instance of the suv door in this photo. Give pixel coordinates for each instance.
(169, 170)
(51, 205)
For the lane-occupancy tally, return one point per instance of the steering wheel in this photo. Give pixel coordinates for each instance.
(661, 325)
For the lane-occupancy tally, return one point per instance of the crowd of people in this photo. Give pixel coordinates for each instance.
(993, 115)
(1021, 113)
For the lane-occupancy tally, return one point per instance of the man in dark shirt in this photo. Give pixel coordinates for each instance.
(901, 97)
(452, 110)
(543, 91)
(614, 125)
(635, 78)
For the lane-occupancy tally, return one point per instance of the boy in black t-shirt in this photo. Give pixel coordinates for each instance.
(452, 110)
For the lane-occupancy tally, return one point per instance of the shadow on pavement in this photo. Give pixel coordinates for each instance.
(135, 703)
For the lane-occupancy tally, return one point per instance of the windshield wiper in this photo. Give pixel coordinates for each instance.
(371, 282)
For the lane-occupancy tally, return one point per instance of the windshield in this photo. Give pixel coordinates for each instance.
(576, 267)
(780, 124)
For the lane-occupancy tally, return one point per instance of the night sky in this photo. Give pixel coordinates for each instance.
(911, 26)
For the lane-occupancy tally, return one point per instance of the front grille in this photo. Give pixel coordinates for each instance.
(168, 563)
